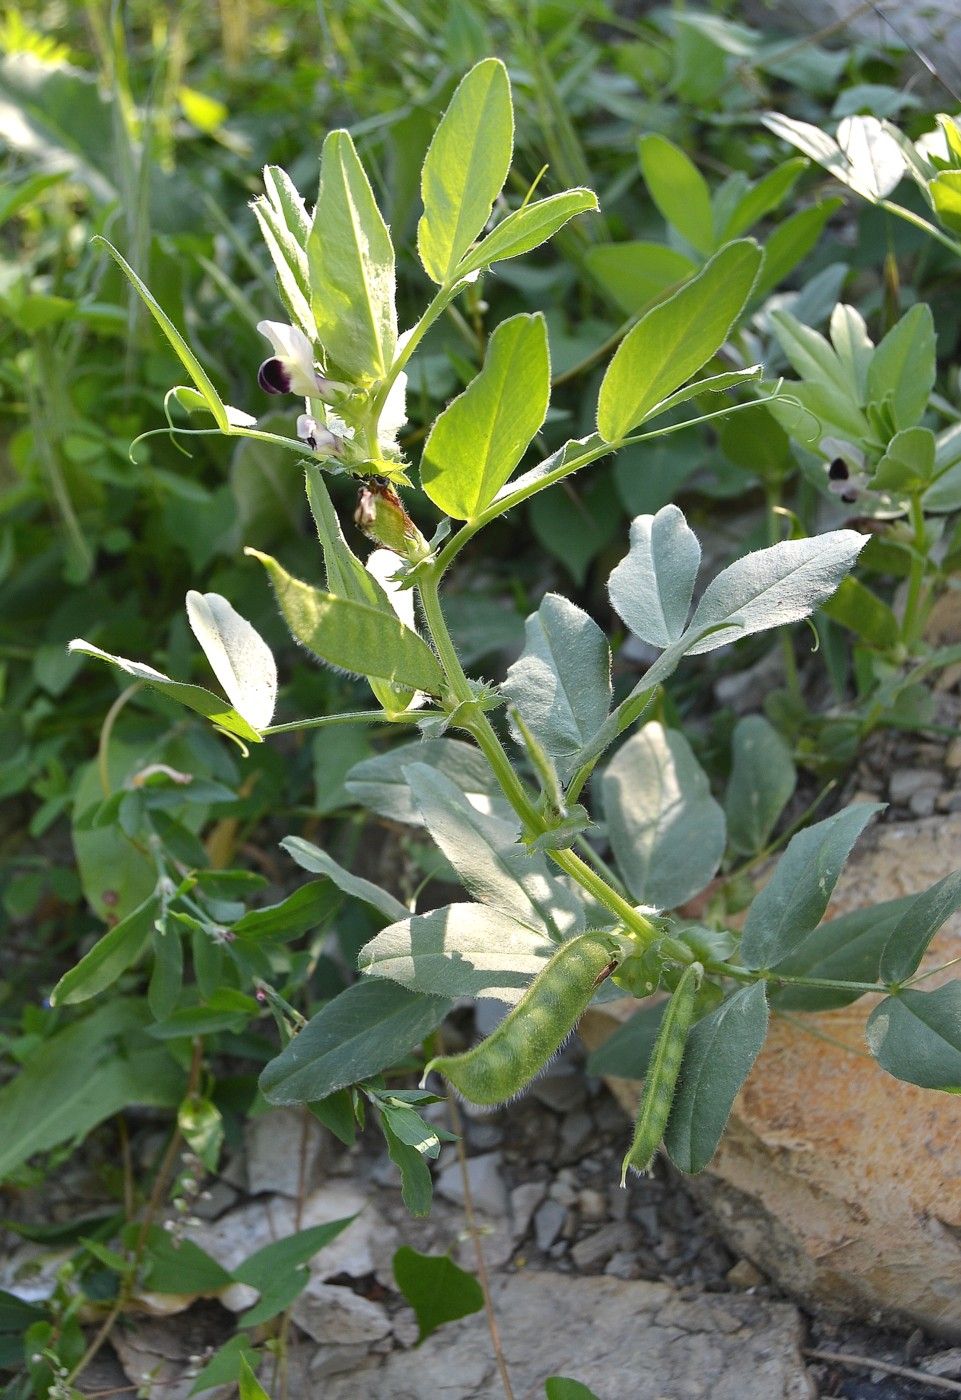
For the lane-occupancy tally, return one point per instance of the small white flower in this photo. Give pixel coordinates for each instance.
(290, 370)
(847, 476)
(394, 413)
(384, 564)
(317, 437)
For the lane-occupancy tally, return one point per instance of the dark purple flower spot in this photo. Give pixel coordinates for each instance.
(274, 377)
(839, 470)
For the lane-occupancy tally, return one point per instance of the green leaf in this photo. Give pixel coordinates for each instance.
(672, 342)
(665, 828)
(527, 228)
(260, 1269)
(80, 1076)
(854, 606)
(763, 196)
(651, 588)
(762, 782)
(285, 226)
(907, 466)
(909, 939)
(15, 1314)
(844, 949)
(305, 909)
(346, 575)
(183, 351)
(626, 1053)
(812, 356)
(875, 161)
(791, 242)
(865, 157)
(478, 440)
(461, 950)
(916, 1036)
(178, 1266)
(239, 657)
(348, 578)
(903, 367)
(336, 1112)
(415, 1179)
(202, 1125)
(351, 261)
(561, 683)
(465, 168)
(679, 190)
(945, 194)
(354, 636)
(381, 785)
(195, 697)
(436, 1289)
(493, 866)
(561, 1388)
(311, 857)
(250, 1387)
(714, 384)
(224, 1366)
(718, 1057)
(363, 1030)
(771, 587)
(110, 956)
(636, 274)
(793, 901)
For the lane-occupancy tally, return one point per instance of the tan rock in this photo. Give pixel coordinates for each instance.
(838, 1181)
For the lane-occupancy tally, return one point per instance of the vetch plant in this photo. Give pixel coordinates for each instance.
(548, 922)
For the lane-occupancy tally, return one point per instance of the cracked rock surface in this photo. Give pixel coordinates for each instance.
(619, 1337)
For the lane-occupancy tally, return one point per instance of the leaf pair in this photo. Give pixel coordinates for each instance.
(651, 589)
(239, 658)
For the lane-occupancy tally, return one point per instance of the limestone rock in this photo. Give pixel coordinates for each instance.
(285, 1150)
(164, 1355)
(618, 1337)
(338, 1316)
(836, 1180)
(488, 1192)
(365, 1247)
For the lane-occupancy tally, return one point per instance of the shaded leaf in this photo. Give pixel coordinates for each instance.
(916, 1036)
(461, 950)
(362, 1031)
(793, 901)
(665, 828)
(436, 1289)
(718, 1057)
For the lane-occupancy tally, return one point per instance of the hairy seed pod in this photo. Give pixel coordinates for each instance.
(661, 1078)
(535, 1029)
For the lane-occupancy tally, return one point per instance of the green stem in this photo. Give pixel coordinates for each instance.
(747, 974)
(532, 484)
(482, 731)
(909, 216)
(348, 717)
(436, 307)
(601, 865)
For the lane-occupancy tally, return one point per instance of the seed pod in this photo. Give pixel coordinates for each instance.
(536, 1028)
(661, 1078)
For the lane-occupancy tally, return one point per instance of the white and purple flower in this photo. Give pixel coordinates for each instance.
(291, 369)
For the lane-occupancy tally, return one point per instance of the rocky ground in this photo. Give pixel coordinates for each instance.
(629, 1291)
